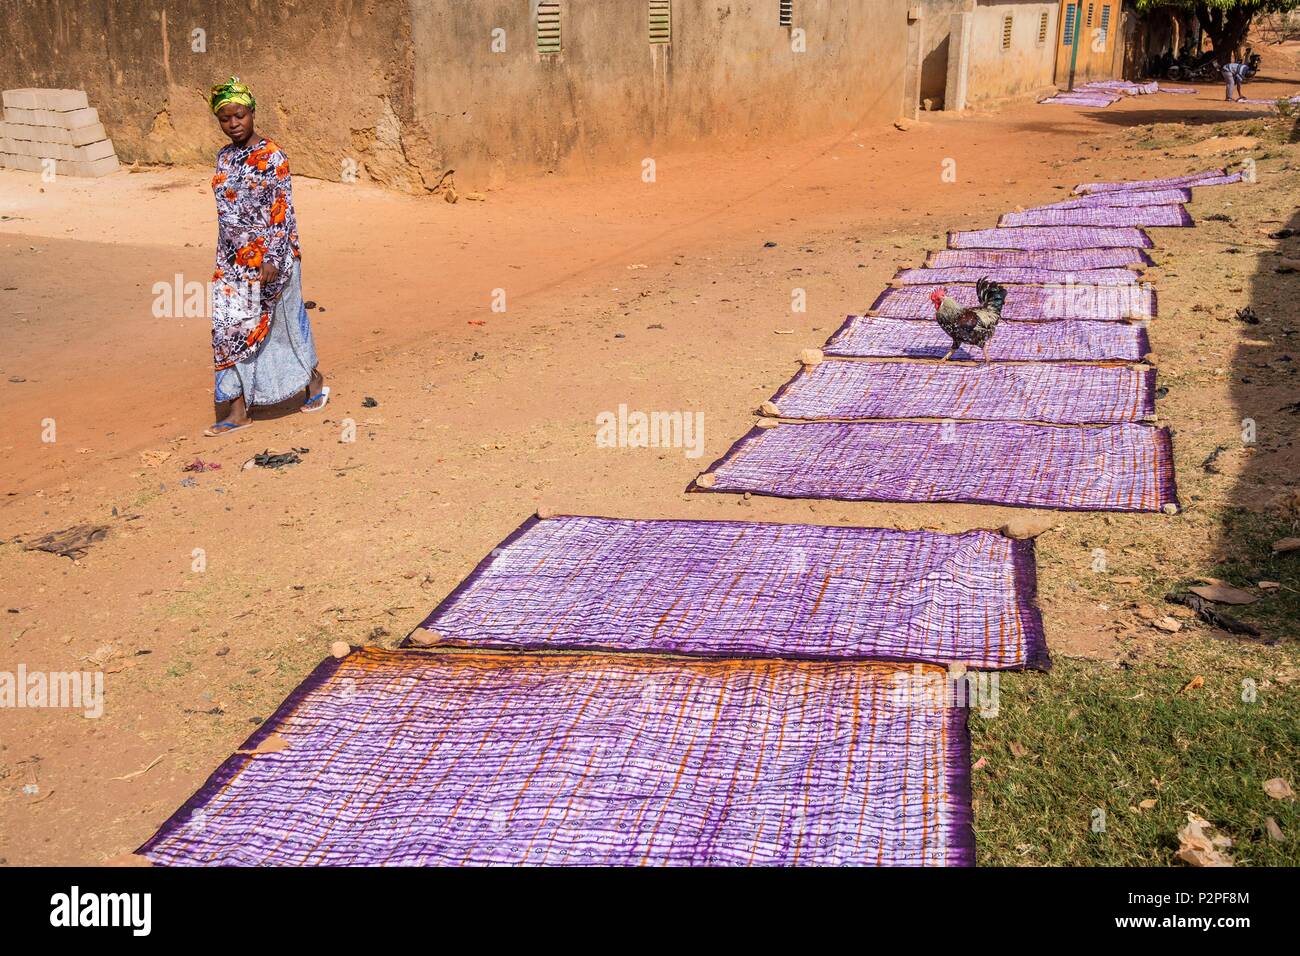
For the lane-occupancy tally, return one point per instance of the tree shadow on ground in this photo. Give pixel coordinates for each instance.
(1263, 504)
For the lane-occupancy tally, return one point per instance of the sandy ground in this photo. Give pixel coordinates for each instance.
(658, 296)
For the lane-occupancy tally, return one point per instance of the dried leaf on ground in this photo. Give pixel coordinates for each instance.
(1279, 789)
(1197, 847)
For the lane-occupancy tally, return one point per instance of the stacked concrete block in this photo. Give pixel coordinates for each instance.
(58, 125)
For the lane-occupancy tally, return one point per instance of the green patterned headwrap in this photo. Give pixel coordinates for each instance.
(232, 91)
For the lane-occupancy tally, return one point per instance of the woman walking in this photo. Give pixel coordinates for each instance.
(261, 337)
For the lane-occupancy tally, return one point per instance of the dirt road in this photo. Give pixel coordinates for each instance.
(208, 601)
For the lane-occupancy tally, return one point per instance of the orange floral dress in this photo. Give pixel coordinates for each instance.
(255, 224)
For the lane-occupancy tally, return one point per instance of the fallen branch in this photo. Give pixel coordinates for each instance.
(1207, 613)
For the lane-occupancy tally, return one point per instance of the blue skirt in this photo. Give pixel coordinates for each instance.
(284, 363)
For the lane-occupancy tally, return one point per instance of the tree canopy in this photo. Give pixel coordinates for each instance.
(1225, 21)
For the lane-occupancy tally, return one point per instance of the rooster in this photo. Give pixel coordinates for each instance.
(970, 326)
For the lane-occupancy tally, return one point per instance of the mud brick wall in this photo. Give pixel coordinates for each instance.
(402, 90)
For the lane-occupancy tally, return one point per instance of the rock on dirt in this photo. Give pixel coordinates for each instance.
(1222, 593)
(1027, 526)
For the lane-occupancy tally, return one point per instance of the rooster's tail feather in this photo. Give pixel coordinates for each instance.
(990, 294)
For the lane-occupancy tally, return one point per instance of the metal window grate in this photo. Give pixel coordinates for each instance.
(787, 12)
(1088, 22)
(661, 21)
(1006, 32)
(1067, 34)
(1042, 28)
(548, 27)
(1105, 24)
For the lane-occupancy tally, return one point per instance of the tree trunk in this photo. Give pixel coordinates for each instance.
(1226, 29)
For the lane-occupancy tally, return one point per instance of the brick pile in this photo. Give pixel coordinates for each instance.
(58, 125)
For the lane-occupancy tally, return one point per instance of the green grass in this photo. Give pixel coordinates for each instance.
(1101, 735)
(1096, 735)
(1276, 615)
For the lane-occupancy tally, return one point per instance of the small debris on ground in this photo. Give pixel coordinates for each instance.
(269, 459)
(1211, 462)
(199, 465)
(1210, 615)
(71, 542)
(154, 457)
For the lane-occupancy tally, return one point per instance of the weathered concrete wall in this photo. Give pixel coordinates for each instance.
(730, 73)
(936, 19)
(332, 77)
(405, 89)
(1026, 68)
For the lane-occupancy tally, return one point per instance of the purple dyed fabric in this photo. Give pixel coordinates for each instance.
(1096, 99)
(878, 337)
(400, 758)
(1173, 182)
(1266, 101)
(1050, 237)
(1139, 197)
(744, 589)
(1123, 86)
(1073, 260)
(1179, 89)
(1010, 275)
(1124, 467)
(1100, 216)
(1028, 392)
(1029, 303)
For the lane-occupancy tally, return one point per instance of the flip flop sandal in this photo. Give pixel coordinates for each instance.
(224, 428)
(324, 393)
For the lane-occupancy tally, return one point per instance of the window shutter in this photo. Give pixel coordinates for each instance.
(548, 27)
(661, 21)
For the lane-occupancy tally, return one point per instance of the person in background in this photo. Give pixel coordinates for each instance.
(261, 338)
(1234, 75)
